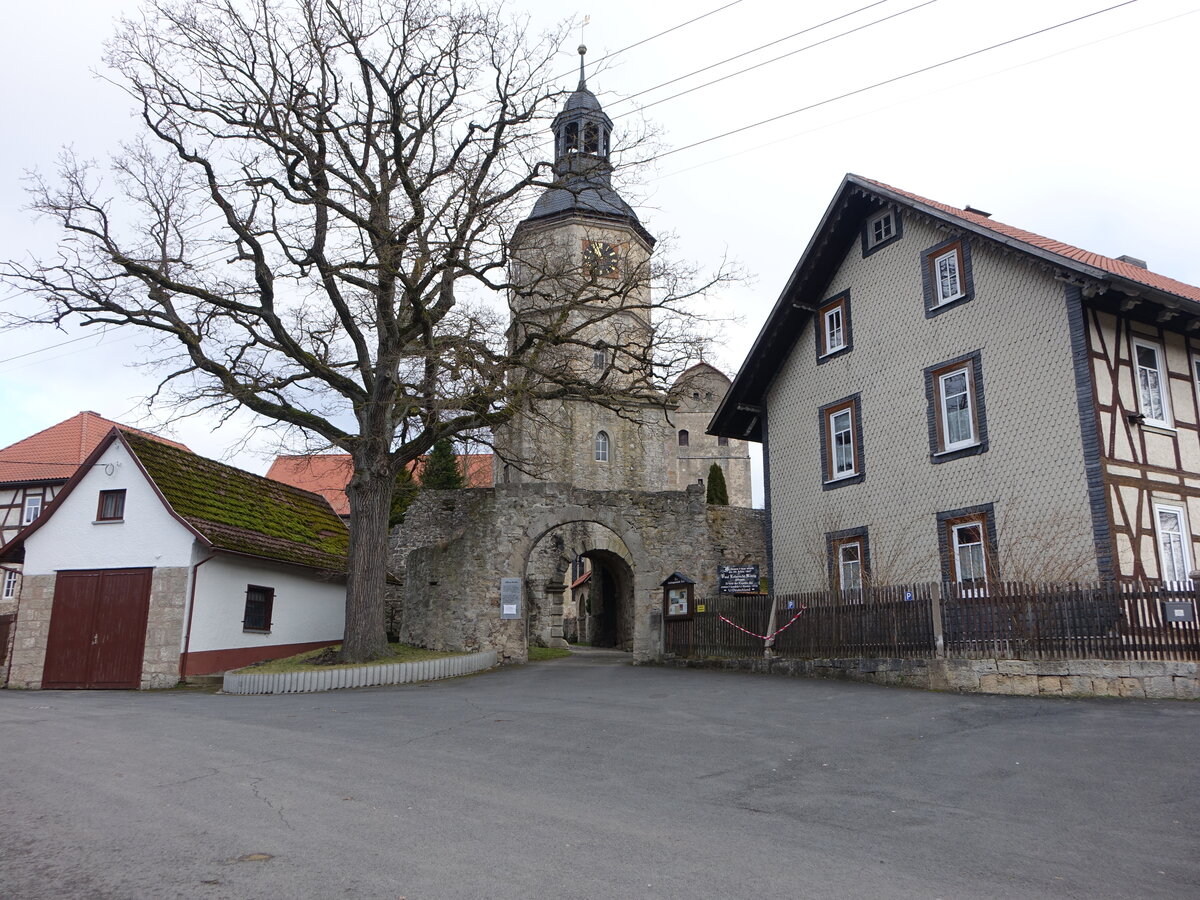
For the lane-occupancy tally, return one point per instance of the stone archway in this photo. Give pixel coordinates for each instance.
(600, 611)
(456, 548)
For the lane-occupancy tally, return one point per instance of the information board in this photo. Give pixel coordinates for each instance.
(511, 592)
(737, 579)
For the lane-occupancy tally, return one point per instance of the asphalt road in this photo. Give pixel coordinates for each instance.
(591, 778)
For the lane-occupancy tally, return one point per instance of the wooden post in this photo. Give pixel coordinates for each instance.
(935, 611)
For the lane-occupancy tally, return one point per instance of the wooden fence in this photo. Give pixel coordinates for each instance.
(1008, 620)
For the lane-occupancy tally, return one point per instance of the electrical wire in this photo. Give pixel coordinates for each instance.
(773, 59)
(886, 81)
(915, 97)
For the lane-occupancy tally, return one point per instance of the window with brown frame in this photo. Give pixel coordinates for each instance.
(111, 507)
(833, 327)
(849, 559)
(841, 443)
(946, 275)
(260, 603)
(956, 410)
(968, 545)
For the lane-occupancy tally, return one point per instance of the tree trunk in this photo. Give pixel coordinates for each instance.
(370, 493)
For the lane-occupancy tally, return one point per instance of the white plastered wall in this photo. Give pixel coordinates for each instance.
(306, 608)
(148, 536)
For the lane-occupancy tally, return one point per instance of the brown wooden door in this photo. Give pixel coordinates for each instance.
(98, 629)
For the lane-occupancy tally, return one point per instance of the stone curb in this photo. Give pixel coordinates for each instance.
(359, 676)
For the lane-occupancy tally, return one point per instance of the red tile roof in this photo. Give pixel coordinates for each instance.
(1095, 260)
(328, 474)
(55, 453)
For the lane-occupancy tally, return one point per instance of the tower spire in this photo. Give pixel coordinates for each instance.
(582, 77)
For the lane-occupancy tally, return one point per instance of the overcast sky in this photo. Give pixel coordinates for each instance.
(1087, 133)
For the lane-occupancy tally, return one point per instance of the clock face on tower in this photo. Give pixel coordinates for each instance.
(600, 258)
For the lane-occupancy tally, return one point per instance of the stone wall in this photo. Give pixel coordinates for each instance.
(164, 629)
(455, 546)
(1047, 678)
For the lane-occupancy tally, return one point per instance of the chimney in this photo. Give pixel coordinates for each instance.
(1133, 261)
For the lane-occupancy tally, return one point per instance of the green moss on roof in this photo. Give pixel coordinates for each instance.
(245, 513)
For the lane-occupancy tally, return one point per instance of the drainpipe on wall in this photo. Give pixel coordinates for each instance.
(187, 635)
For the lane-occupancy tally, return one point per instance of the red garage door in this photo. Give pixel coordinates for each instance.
(98, 629)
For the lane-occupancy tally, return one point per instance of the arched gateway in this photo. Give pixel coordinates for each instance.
(455, 547)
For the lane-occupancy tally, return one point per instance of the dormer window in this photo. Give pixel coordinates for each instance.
(111, 507)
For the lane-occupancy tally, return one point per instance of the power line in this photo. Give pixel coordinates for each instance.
(752, 50)
(878, 109)
(886, 81)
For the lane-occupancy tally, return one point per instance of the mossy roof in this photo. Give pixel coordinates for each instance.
(245, 513)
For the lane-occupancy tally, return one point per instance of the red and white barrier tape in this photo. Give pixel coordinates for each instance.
(765, 637)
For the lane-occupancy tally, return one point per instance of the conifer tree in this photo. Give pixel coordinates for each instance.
(718, 493)
(404, 493)
(441, 472)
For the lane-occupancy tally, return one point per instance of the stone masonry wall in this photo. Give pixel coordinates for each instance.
(457, 545)
(164, 629)
(1047, 678)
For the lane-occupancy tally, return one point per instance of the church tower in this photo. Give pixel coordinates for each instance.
(581, 261)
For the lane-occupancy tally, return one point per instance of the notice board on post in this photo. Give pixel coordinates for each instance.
(737, 579)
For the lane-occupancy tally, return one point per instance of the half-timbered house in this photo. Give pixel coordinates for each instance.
(944, 397)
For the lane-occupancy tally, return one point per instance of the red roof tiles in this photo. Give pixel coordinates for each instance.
(328, 474)
(55, 453)
(1095, 260)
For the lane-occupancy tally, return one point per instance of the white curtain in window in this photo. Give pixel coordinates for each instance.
(947, 270)
(833, 330)
(1149, 383)
(956, 409)
(843, 449)
(969, 557)
(1171, 544)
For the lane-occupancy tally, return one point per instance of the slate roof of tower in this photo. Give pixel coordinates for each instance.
(54, 453)
(738, 415)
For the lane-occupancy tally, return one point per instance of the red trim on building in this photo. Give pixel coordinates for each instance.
(213, 662)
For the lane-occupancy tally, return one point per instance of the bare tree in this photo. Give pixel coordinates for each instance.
(318, 213)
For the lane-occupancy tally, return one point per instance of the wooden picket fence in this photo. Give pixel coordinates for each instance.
(1129, 621)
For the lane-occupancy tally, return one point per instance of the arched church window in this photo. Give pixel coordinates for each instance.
(571, 137)
(591, 138)
(602, 447)
(722, 441)
(684, 437)
(599, 357)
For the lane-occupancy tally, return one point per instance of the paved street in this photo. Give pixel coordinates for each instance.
(591, 778)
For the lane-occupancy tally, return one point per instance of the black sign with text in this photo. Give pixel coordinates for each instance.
(737, 579)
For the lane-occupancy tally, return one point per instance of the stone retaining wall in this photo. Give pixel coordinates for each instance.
(1163, 680)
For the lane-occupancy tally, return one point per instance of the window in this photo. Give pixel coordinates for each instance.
(112, 506)
(602, 447)
(957, 424)
(33, 508)
(834, 323)
(881, 229)
(841, 443)
(10, 588)
(722, 441)
(600, 357)
(259, 603)
(1151, 383)
(683, 438)
(849, 559)
(968, 544)
(1174, 543)
(946, 275)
